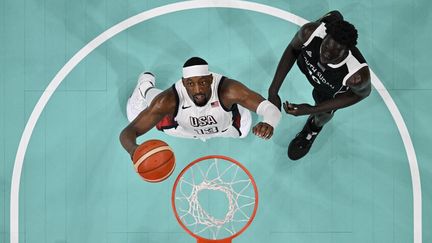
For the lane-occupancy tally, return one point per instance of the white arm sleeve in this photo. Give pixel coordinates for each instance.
(271, 114)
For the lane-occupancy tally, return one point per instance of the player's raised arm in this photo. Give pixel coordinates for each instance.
(234, 92)
(287, 60)
(162, 105)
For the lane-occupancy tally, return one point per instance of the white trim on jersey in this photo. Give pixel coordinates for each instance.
(340, 91)
(347, 58)
(320, 32)
(353, 66)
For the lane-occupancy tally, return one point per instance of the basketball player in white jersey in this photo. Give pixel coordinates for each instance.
(326, 54)
(201, 105)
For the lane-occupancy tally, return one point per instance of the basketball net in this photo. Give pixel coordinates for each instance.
(211, 218)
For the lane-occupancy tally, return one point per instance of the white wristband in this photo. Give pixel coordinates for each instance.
(271, 114)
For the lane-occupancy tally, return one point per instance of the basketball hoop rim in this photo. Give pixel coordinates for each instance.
(227, 239)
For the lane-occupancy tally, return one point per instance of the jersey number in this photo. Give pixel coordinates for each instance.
(209, 130)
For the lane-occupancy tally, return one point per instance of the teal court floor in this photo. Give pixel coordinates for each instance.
(77, 185)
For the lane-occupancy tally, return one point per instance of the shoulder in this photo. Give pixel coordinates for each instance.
(359, 77)
(230, 87)
(166, 102)
(360, 82)
(303, 34)
(232, 92)
(306, 31)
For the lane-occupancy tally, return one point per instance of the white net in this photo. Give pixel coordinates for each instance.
(215, 198)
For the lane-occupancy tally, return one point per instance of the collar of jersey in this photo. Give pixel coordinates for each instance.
(342, 62)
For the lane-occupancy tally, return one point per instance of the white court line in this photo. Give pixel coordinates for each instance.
(180, 6)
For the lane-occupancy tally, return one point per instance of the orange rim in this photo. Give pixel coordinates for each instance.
(227, 239)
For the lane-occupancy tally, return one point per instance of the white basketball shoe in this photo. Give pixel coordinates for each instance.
(137, 101)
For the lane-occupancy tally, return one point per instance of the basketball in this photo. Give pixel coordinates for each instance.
(154, 160)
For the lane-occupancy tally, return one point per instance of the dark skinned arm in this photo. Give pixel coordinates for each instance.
(163, 104)
(234, 92)
(360, 88)
(288, 59)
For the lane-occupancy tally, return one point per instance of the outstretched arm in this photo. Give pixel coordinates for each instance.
(360, 88)
(287, 61)
(163, 104)
(234, 92)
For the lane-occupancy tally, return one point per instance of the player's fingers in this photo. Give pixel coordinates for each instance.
(254, 129)
(262, 130)
(286, 106)
(266, 130)
(264, 133)
(269, 132)
(290, 108)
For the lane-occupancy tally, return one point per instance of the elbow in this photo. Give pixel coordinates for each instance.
(366, 93)
(125, 134)
(122, 135)
(363, 93)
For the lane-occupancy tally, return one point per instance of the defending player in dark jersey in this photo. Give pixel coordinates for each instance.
(326, 53)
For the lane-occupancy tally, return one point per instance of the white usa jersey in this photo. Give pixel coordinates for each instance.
(210, 120)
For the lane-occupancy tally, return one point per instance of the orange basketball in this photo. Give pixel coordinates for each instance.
(154, 160)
